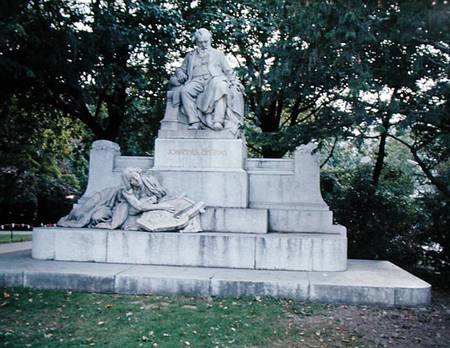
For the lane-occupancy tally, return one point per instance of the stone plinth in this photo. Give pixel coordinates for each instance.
(364, 281)
(273, 251)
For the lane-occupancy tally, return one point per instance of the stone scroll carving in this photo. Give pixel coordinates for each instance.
(205, 93)
(140, 203)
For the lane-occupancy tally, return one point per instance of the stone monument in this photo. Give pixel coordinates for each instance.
(251, 214)
(256, 213)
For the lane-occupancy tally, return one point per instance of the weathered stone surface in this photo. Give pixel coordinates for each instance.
(280, 184)
(43, 243)
(11, 278)
(219, 188)
(301, 251)
(69, 281)
(101, 165)
(186, 249)
(369, 282)
(281, 284)
(290, 220)
(364, 282)
(165, 280)
(78, 244)
(273, 251)
(236, 220)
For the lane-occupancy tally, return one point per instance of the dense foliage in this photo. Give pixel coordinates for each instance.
(367, 81)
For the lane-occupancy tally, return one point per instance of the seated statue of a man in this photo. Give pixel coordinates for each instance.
(206, 87)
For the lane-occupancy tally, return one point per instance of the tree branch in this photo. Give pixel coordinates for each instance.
(440, 184)
(331, 153)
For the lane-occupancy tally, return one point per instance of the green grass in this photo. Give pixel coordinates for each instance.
(16, 238)
(63, 319)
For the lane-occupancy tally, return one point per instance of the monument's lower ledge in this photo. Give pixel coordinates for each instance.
(364, 282)
(272, 251)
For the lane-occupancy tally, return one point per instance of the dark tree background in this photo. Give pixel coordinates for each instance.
(367, 81)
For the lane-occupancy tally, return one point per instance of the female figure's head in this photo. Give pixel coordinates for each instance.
(134, 179)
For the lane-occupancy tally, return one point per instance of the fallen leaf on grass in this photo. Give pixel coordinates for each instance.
(189, 307)
(6, 295)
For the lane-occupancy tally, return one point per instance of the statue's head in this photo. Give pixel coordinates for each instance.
(132, 177)
(202, 38)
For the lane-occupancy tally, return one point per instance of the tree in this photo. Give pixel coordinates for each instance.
(409, 51)
(100, 62)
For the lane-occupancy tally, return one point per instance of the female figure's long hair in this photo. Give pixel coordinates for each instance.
(150, 184)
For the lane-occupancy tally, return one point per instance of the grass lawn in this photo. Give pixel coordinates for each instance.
(4, 238)
(38, 318)
(33, 318)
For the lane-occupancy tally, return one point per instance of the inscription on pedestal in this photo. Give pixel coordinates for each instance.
(197, 152)
(226, 154)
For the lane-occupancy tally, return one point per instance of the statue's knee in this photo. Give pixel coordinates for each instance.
(184, 91)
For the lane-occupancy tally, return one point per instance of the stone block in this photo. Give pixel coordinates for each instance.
(276, 251)
(181, 249)
(101, 165)
(328, 293)
(164, 280)
(43, 244)
(280, 284)
(199, 153)
(301, 252)
(235, 220)
(369, 282)
(289, 220)
(69, 281)
(123, 162)
(364, 282)
(413, 296)
(80, 244)
(11, 278)
(227, 188)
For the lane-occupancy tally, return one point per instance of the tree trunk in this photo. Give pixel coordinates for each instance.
(380, 160)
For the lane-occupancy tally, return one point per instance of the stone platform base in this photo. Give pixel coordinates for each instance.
(364, 282)
(272, 251)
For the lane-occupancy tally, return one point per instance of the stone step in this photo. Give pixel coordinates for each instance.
(275, 251)
(303, 220)
(364, 282)
(260, 220)
(239, 220)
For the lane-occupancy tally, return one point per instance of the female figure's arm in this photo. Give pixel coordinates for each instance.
(146, 204)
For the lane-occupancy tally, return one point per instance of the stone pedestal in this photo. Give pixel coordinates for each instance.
(272, 251)
(207, 166)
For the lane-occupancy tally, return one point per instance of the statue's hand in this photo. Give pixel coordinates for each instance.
(236, 84)
(167, 207)
(181, 76)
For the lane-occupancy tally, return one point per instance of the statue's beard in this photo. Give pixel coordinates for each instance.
(203, 51)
